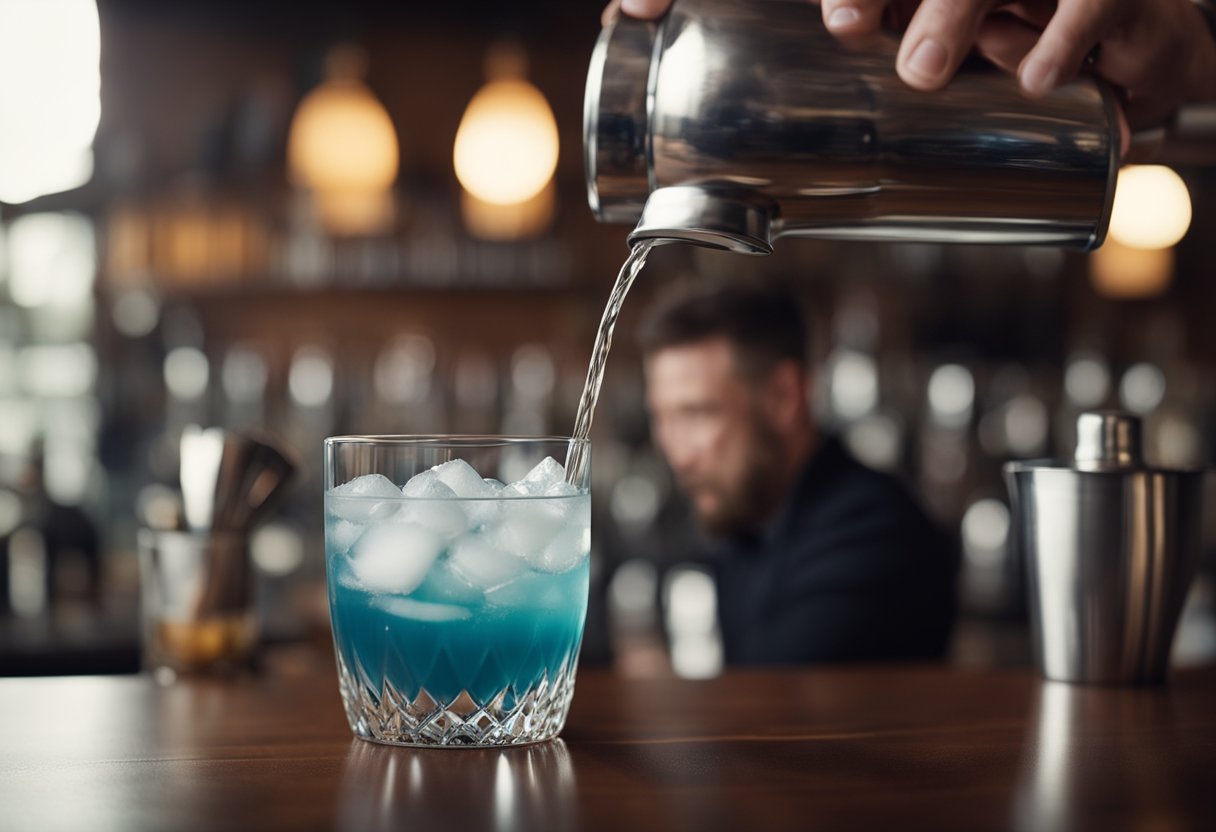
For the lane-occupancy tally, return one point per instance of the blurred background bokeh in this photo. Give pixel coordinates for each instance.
(370, 217)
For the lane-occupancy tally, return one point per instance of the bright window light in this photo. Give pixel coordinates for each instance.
(50, 100)
(52, 259)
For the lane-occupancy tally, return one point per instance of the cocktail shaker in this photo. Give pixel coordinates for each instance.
(733, 122)
(1110, 546)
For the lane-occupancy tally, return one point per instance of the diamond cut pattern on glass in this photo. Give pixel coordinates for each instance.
(509, 717)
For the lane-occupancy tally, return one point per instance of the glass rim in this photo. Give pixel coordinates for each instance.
(471, 440)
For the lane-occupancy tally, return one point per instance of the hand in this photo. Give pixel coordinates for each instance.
(1160, 52)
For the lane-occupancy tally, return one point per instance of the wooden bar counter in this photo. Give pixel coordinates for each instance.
(874, 747)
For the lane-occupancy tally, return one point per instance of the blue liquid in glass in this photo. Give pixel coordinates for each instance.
(447, 637)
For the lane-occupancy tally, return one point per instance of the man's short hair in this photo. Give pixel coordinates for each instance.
(762, 321)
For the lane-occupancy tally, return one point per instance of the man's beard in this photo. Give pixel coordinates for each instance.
(759, 492)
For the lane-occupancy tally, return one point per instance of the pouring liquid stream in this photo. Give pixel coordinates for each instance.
(577, 457)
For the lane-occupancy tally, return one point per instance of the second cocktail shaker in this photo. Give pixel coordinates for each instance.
(1111, 545)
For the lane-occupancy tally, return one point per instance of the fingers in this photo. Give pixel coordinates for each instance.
(1148, 72)
(853, 17)
(1035, 12)
(937, 40)
(1071, 34)
(645, 9)
(1005, 41)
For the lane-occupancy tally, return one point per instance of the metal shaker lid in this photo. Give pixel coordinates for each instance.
(1107, 441)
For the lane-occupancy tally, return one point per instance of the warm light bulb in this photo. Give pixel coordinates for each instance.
(342, 139)
(1152, 207)
(342, 147)
(506, 146)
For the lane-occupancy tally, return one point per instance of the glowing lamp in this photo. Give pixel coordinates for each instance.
(1152, 207)
(342, 148)
(506, 146)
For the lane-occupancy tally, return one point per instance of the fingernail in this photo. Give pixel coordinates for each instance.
(842, 17)
(1038, 77)
(928, 59)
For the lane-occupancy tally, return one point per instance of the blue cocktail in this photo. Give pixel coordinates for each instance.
(457, 602)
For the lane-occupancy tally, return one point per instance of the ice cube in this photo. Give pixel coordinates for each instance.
(370, 497)
(369, 485)
(459, 476)
(395, 557)
(431, 503)
(443, 586)
(346, 577)
(423, 610)
(480, 504)
(518, 489)
(445, 519)
(561, 488)
(526, 525)
(570, 545)
(341, 535)
(427, 485)
(488, 510)
(481, 512)
(530, 590)
(544, 474)
(482, 564)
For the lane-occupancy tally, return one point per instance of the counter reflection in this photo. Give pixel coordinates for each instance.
(531, 787)
(1089, 750)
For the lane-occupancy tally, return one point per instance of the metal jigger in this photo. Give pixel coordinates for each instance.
(1110, 546)
(198, 598)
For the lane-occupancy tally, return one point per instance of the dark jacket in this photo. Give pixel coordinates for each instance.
(851, 569)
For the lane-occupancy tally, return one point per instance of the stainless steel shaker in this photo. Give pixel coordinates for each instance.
(733, 122)
(1110, 545)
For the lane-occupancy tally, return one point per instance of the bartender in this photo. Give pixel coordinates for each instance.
(820, 558)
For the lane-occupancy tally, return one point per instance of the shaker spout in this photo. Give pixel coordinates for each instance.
(705, 217)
